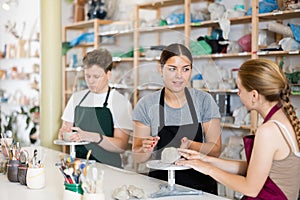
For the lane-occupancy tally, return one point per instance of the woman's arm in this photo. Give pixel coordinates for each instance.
(264, 148)
(143, 143)
(117, 144)
(231, 166)
(212, 145)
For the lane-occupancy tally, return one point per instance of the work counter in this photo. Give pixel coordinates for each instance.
(113, 178)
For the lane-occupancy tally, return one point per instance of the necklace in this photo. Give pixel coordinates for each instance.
(272, 112)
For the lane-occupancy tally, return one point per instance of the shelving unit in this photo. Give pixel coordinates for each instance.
(21, 90)
(187, 27)
(19, 75)
(69, 74)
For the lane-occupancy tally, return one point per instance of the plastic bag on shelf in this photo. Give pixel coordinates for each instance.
(296, 31)
(216, 10)
(176, 17)
(289, 44)
(200, 48)
(245, 42)
(265, 6)
(85, 37)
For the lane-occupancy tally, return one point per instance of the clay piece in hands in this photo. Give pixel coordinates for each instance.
(170, 155)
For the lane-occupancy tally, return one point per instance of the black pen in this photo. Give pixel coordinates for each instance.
(67, 180)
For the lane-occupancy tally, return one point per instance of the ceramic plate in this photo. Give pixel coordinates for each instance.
(62, 142)
(157, 164)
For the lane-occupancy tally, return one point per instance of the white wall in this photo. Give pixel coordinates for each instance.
(26, 17)
(27, 12)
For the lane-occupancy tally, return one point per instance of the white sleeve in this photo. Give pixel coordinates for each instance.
(68, 114)
(121, 111)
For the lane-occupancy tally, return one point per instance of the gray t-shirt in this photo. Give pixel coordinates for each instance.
(146, 110)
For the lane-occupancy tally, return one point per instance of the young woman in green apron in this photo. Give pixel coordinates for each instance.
(180, 117)
(99, 115)
(272, 169)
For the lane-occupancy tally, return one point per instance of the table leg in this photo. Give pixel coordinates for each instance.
(72, 151)
(171, 178)
(172, 190)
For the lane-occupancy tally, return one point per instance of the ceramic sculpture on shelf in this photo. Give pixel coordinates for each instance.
(102, 9)
(97, 9)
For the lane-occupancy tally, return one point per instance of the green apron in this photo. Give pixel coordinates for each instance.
(99, 120)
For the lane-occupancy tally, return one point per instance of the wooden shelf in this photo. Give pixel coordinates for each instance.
(277, 53)
(214, 23)
(287, 14)
(203, 24)
(122, 59)
(160, 28)
(87, 24)
(224, 55)
(166, 3)
(160, 4)
(117, 32)
(83, 45)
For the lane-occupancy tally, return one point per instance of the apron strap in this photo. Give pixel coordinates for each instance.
(106, 98)
(191, 106)
(162, 105)
(161, 108)
(84, 97)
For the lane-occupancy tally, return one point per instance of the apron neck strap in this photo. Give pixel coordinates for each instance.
(106, 98)
(162, 105)
(84, 97)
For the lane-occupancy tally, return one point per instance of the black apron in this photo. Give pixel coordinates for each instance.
(170, 136)
(99, 120)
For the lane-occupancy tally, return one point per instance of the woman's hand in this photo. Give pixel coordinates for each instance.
(195, 160)
(149, 143)
(185, 143)
(191, 154)
(66, 127)
(84, 136)
(196, 164)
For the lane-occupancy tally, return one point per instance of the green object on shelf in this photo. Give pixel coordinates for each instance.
(163, 22)
(65, 47)
(293, 77)
(200, 48)
(128, 54)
